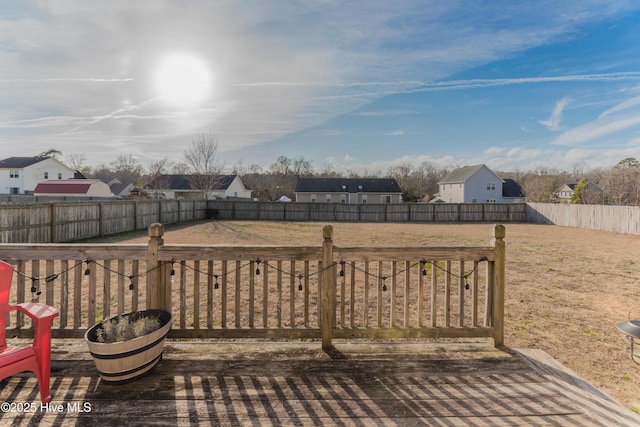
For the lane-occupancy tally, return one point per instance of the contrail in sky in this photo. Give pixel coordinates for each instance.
(110, 115)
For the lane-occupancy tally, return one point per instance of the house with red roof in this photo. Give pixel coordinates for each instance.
(20, 175)
(73, 188)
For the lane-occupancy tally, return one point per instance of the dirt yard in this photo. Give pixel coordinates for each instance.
(566, 288)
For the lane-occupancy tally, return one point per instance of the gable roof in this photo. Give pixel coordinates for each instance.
(183, 182)
(347, 185)
(590, 186)
(511, 188)
(20, 162)
(461, 174)
(65, 186)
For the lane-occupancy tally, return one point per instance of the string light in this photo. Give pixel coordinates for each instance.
(173, 270)
(35, 290)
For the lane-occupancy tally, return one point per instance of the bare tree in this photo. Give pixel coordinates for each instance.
(282, 166)
(202, 158)
(77, 162)
(156, 170)
(127, 169)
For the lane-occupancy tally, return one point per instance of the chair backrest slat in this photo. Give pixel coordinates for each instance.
(6, 273)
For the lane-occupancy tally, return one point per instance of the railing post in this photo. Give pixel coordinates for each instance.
(498, 285)
(158, 292)
(328, 288)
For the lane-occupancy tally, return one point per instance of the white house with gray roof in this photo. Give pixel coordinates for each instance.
(478, 184)
(21, 175)
(348, 190)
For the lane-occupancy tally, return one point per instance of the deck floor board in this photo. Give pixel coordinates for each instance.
(298, 384)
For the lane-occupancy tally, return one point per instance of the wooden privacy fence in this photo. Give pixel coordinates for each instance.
(319, 292)
(68, 221)
(390, 212)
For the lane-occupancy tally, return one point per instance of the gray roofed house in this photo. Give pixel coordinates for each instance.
(348, 190)
(185, 187)
(21, 175)
(478, 184)
(593, 194)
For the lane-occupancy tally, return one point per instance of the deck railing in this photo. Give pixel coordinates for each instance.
(316, 292)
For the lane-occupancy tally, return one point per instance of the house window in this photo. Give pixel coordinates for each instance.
(14, 190)
(386, 199)
(328, 198)
(59, 175)
(14, 174)
(491, 186)
(364, 199)
(343, 198)
(474, 200)
(491, 200)
(313, 198)
(46, 175)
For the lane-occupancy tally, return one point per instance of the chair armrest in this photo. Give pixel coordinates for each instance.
(37, 311)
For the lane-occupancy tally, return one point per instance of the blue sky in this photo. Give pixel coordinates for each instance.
(352, 85)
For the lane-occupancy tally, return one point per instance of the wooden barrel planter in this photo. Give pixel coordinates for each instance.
(124, 361)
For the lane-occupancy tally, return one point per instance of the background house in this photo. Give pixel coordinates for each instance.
(21, 175)
(348, 190)
(592, 195)
(73, 188)
(118, 188)
(184, 187)
(478, 184)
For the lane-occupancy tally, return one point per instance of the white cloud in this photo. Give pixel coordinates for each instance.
(596, 129)
(553, 122)
(397, 132)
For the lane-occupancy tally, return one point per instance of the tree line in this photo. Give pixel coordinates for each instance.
(620, 184)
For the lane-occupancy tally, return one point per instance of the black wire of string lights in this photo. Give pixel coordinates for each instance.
(35, 285)
(35, 288)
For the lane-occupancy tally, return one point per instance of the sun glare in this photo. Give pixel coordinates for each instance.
(183, 79)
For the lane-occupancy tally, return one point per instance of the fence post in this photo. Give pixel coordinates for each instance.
(158, 292)
(328, 288)
(498, 285)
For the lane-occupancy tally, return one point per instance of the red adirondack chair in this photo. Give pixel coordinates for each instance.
(36, 357)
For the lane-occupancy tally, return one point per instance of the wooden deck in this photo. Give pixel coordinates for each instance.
(297, 384)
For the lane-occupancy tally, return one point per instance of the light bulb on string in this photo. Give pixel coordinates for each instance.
(172, 272)
(131, 285)
(258, 267)
(87, 271)
(216, 285)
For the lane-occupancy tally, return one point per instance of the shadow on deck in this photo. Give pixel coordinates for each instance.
(293, 383)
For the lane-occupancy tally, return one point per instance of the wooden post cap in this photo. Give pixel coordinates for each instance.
(327, 232)
(156, 230)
